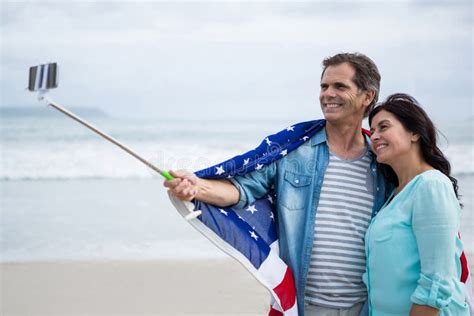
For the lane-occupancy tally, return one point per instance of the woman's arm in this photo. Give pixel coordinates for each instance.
(423, 310)
(435, 222)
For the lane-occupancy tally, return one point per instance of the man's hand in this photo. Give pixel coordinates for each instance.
(184, 186)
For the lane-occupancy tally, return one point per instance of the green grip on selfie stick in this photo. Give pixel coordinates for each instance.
(166, 175)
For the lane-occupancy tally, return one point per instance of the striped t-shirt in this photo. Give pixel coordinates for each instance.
(343, 215)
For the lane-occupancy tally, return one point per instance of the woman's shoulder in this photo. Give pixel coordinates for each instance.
(433, 185)
(432, 178)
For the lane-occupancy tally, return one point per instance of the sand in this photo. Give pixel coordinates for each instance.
(204, 287)
(200, 287)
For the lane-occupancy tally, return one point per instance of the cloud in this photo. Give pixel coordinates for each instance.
(174, 59)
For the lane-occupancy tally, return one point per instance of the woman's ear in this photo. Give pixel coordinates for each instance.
(415, 137)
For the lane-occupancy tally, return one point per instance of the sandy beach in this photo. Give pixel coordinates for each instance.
(203, 287)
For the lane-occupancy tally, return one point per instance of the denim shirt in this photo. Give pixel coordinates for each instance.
(297, 179)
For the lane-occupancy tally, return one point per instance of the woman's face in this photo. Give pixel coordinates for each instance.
(391, 142)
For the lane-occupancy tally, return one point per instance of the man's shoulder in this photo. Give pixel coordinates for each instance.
(319, 138)
(308, 152)
(314, 142)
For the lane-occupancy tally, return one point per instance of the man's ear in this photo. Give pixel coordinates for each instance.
(369, 97)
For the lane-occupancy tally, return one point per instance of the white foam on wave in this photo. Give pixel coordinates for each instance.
(461, 158)
(96, 159)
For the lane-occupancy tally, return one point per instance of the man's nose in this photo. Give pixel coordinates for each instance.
(328, 92)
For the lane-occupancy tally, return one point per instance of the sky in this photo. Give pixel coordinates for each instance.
(232, 59)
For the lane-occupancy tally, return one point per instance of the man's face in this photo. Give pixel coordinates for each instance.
(341, 100)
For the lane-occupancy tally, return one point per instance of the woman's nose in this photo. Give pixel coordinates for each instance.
(374, 136)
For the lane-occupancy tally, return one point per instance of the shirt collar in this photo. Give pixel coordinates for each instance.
(321, 137)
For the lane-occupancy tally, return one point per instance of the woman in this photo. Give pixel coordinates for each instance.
(412, 245)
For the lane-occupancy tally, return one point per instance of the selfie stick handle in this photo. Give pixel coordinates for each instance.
(58, 107)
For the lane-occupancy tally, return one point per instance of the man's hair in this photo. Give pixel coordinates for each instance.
(367, 76)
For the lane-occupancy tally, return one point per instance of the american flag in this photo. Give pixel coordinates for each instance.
(249, 235)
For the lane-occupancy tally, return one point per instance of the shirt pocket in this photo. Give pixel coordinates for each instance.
(384, 231)
(295, 192)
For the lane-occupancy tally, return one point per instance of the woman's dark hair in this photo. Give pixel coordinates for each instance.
(410, 114)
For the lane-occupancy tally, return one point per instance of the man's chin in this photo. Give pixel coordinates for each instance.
(333, 117)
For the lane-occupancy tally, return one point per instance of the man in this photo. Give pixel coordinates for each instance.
(327, 189)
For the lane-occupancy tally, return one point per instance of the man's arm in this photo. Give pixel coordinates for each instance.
(186, 186)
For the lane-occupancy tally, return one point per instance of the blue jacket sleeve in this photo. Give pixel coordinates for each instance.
(435, 222)
(254, 185)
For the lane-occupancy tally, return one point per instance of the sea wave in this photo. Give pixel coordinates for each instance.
(99, 160)
(55, 149)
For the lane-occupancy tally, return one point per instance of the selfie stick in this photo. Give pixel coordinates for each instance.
(43, 97)
(44, 77)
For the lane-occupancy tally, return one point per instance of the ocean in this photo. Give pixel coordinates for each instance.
(67, 194)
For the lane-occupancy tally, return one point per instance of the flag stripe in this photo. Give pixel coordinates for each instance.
(286, 291)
